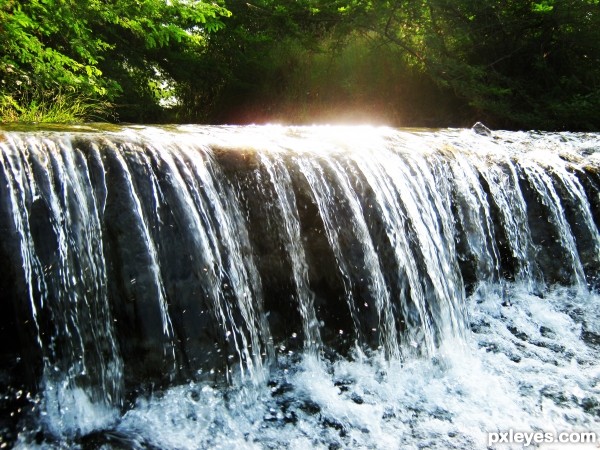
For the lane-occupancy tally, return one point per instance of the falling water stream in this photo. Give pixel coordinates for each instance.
(325, 287)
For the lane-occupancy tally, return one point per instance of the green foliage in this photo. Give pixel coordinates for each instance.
(93, 49)
(511, 63)
(519, 63)
(46, 45)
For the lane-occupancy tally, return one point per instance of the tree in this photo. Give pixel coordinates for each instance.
(510, 63)
(518, 63)
(93, 49)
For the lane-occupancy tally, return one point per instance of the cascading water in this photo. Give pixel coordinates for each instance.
(280, 287)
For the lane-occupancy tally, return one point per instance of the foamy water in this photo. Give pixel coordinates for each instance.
(524, 367)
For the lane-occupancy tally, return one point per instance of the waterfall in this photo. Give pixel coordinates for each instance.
(143, 259)
(285, 203)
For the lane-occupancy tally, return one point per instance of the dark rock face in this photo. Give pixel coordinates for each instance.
(162, 261)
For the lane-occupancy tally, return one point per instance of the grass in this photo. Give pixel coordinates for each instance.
(54, 108)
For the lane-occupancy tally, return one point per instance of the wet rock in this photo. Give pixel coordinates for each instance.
(357, 398)
(514, 358)
(547, 332)
(480, 327)
(518, 334)
(481, 129)
(388, 414)
(555, 394)
(309, 407)
(279, 389)
(556, 348)
(441, 414)
(331, 422)
(343, 385)
(591, 405)
(591, 338)
(115, 440)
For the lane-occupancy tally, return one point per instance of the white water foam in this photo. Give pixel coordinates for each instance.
(530, 364)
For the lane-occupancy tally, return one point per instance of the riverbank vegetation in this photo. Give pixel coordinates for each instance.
(532, 64)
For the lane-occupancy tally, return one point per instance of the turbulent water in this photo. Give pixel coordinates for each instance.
(312, 287)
